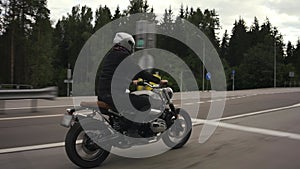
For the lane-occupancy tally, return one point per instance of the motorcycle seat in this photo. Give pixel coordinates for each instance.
(95, 105)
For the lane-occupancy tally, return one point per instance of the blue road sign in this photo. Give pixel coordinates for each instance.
(233, 72)
(208, 76)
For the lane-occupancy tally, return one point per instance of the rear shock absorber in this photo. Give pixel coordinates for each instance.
(116, 124)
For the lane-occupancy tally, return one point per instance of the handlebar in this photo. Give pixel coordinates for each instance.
(144, 83)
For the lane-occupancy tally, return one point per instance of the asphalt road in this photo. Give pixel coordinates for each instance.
(259, 129)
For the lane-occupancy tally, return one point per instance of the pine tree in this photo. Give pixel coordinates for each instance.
(196, 18)
(145, 7)
(17, 23)
(253, 53)
(186, 14)
(224, 45)
(296, 56)
(254, 33)
(117, 14)
(4, 60)
(256, 70)
(103, 16)
(239, 43)
(181, 15)
(266, 28)
(213, 25)
(255, 27)
(208, 22)
(152, 10)
(77, 28)
(70, 34)
(136, 6)
(166, 25)
(41, 54)
(278, 43)
(290, 53)
(167, 21)
(141, 6)
(1, 18)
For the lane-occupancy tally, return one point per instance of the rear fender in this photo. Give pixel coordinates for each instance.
(99, 131)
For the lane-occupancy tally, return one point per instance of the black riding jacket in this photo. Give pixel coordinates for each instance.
(109, 65)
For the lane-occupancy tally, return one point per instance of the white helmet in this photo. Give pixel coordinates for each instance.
(125, 40)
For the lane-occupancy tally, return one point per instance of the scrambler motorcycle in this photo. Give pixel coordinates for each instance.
(94, 128)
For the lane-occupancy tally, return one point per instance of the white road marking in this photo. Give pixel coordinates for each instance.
(258, 112)
(92, 97)
(45, 146)
(251, 129)
(30, 117)
(218, 100)
(195, 122)
(187, 104)
(35, 147)
(39, 107)
(28, 148)
(218, 123)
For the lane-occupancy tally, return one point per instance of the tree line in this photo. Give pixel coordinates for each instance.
(36, 51)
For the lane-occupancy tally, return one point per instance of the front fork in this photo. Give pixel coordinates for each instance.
(173, 110)
(171, 115)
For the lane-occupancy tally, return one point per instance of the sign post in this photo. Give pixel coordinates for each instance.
(291, 75)
(145, 39)
(68, 85)
(233, 74)
(208, 77)
(69, 79)
(145, 34)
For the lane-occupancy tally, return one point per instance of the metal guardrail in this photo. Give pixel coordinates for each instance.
(49, 93)
(15, 86)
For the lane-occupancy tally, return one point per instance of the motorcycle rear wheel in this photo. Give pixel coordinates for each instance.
(82, 151)
(180, 132)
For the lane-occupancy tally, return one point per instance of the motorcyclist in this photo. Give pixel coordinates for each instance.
(124, 45)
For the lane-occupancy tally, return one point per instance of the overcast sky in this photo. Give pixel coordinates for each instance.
(283, 14)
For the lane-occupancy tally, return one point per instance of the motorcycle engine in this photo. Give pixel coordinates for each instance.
(158, 125)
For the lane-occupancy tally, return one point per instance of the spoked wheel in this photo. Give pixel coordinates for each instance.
(81, 150)
(180, 131)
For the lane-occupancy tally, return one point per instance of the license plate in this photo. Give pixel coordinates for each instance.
(66, 121)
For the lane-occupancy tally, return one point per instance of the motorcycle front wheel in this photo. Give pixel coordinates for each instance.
(180, 132)
(81, 150)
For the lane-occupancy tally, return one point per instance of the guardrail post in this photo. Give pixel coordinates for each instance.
(2, 105)
(34, 105)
